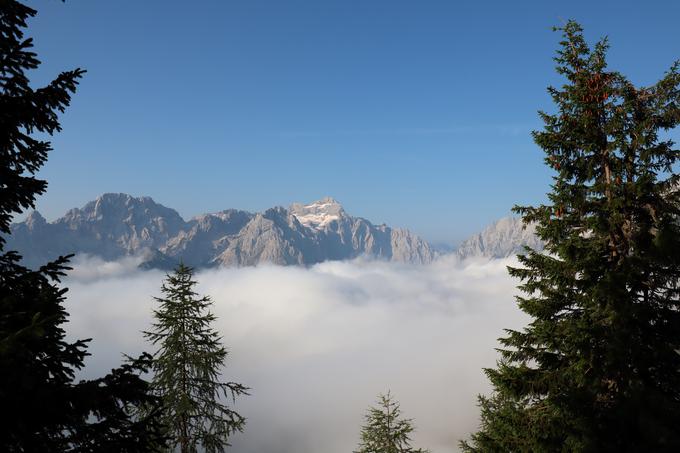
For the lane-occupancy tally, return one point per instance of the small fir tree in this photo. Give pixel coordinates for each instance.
(385, 431)
(43, 408)
(187, 369)
(598, 367)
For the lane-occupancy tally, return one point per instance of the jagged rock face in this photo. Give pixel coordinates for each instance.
(117, 225)
(205, 237)
(408, 248)
(112, 226)
(120, 221)
(508, 236)
(342, 236)
(273, 237)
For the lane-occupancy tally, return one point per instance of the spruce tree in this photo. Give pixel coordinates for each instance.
(187, 369)
(43, 408)
(385, 430)
(598, 366)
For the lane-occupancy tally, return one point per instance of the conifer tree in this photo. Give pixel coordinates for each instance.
(598, 366)
(385, 430)
(43, 408)
(187, 369)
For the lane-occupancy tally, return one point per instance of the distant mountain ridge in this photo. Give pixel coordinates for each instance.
(118, 225)
(505, 237)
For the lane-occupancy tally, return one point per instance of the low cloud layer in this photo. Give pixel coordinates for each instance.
(317, 345)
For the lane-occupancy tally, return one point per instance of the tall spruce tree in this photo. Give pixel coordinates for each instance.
(598, 367)
(385, 431)
(43, 408)
(187, 369)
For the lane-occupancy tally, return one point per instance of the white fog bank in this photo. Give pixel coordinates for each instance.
(317, 345)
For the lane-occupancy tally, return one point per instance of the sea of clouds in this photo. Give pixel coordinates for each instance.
(317, 345)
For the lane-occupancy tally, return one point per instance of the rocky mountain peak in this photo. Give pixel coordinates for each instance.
(121, 200)
(318, 214)
(117, 207)
(35, 220)
(505, 237)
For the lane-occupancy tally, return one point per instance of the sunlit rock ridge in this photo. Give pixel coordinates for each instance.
(118, 225)
(503, 238)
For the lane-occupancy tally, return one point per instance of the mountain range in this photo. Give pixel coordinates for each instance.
(118, 225)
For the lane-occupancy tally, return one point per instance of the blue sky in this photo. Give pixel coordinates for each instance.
(416, 114)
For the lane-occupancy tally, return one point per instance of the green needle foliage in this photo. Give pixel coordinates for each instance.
(385, 431)
(187, 368)
(598, 367)
(43, 408)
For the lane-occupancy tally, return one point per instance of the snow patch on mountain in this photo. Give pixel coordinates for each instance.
(319, 214)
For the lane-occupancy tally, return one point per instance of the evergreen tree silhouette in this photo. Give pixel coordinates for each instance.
(385, 430)
(187, 368)
(43, 408)
(598, 366)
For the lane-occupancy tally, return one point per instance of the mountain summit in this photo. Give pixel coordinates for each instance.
(318, 214)
(118, 225)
